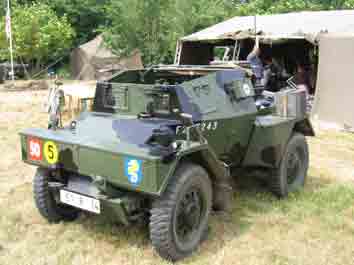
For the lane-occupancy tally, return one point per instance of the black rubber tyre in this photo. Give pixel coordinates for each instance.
(292, 171)
(184, 206)
(45, 202)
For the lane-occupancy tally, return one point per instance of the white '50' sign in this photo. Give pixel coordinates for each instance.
(35, 149)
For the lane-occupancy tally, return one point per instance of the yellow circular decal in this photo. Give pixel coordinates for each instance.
(51, 152)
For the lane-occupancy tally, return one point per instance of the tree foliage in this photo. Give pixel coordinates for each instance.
(85, 16)
(39, 35)
(153, 26)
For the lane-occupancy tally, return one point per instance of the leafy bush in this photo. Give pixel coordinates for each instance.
(154, 26)
(39, 34)
(85, 16)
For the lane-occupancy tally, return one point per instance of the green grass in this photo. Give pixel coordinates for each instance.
(260, 230)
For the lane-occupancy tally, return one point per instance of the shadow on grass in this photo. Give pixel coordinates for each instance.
(104, 228)
(251, 200)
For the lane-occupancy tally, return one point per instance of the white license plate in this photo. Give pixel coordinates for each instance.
(80, 201)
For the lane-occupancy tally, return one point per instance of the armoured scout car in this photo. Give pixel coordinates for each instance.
(164, 143)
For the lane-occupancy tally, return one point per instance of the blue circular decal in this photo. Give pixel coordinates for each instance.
(133, 170)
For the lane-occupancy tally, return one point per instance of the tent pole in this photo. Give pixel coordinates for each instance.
(255, 25)
(9, 32)
(235, 50)
(255, 32)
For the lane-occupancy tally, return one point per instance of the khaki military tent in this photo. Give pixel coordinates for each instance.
(331, 31)
(281, 26)
(334, 102)
(93, 60)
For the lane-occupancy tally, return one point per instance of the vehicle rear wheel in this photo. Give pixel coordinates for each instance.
(46, 203)
(179, 219)
(292, 171)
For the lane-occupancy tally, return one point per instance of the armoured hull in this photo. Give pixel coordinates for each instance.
(105, 154)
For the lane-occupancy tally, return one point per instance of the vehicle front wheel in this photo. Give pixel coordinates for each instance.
(292, 171)
(46, 204)
(179, 219)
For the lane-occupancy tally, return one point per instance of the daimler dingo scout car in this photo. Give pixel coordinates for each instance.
(164, 143)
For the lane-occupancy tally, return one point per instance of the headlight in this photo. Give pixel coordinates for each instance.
(162, 136)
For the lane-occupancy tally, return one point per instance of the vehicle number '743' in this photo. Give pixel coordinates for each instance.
(203, 126)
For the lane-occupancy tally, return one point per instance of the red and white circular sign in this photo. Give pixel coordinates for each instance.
(35, 149)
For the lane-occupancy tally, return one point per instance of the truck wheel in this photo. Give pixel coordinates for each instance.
(179, 219)
(45, 202)
(293, 168)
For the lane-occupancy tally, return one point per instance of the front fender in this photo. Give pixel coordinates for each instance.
(200, 154)
(203, 155)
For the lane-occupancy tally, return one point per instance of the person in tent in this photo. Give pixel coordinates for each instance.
(256, 64)
(303, 77)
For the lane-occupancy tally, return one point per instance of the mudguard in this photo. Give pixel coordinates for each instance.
(270, 137)
(219, 173)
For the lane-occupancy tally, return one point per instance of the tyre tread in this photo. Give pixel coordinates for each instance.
(162, 213)
(275, 181)
(44, 201)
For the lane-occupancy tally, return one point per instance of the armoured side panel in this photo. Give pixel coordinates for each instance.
(122, 98)
(269, 138)
(114, 168)
(225, 121)
(132, 169)
(230, 140)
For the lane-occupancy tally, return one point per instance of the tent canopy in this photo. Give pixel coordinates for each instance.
(301, 25)
(331, 31)
(335, 93)
(93, 60)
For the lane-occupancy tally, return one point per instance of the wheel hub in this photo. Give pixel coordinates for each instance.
(293, 167)
(189, 215)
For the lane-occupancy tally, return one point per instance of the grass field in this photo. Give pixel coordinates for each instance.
(314, 226)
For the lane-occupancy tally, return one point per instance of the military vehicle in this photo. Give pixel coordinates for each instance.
(164, 143)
